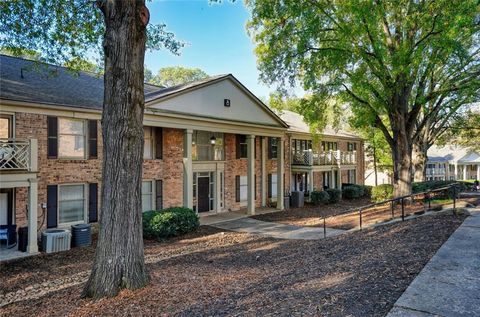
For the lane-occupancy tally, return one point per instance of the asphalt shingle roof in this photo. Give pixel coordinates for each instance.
(30, 81)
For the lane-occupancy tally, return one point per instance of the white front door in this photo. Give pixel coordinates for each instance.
(3, 208)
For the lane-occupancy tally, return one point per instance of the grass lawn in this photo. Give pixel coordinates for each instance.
(236, 274)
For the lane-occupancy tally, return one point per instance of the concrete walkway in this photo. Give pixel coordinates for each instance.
(275, 230)
(449, 285)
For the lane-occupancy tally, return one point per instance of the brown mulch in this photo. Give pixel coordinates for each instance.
(342, 216)
(357, 274)
(37, 269)
(301, 216)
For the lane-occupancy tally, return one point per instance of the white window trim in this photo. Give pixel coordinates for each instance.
(85, 139)
(85, 206)
(152, 143)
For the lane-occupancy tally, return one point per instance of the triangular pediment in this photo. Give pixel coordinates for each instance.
(207, 100)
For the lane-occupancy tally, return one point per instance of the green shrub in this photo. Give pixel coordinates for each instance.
(367, 190)
(319, 197)
(169, 222)
(382, 192)
(352, 192)
(335, 195)
(420, 187)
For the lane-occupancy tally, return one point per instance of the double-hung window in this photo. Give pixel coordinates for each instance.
(71, 204)
(272, 148)
(242, 146)
(148, 143)
(72, 136)
(147, 195)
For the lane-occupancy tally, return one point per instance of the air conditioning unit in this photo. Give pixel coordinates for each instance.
(55, 240)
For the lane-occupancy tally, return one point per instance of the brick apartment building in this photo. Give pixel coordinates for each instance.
(210, 145)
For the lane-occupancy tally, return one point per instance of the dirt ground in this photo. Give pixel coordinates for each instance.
(357, 274)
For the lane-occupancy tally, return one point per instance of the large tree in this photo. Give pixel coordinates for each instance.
(176, 75)
(464, 130)
(64, 29)
(374, 55)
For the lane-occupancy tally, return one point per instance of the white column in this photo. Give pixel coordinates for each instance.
(33, 155)
(32, 216)
(218, 189)
(264, 171)
(310, 182)
(251, 174)
(339, 179)
(332, 179)
(187, 169)
(456, 171)
(465, 172)
(280, 167)
(478, 172)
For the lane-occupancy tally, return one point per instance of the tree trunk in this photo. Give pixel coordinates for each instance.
(419, 159)
(119, 259)
(402, 159)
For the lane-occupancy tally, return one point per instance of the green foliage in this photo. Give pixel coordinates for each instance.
(319, 197)
(421, 187)
(62, 30)
(350, 192)
(169, 222)
(392, 63)
(464, 130)
(367, 190)
(171, 76)
(353, 191)
(78, 63)
(334, 194)
(382, 192)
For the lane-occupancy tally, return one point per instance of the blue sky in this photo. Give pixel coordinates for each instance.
(217, 39)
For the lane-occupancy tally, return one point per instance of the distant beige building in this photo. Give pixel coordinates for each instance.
(452, 162)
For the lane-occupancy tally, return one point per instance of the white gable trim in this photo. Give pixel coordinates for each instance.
(231, 79)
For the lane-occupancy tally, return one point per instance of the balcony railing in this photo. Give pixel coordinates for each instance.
(310, 158)
(18, 155)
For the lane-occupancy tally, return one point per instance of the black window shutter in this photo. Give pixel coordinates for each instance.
(237, 188)
(92, 139)
(237, 146)
(269, 186)
(52, 206)
(158, 143)
(255, 180)
(93, 202)
(159, 195)
(52, 130)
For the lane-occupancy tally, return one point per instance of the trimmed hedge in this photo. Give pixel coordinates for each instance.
(169, 222)
(356, 191)
(351, 192)
(420, 187)
(429, 185)
(367, 190)
(319, 197)
(382, 192)
(335, 195)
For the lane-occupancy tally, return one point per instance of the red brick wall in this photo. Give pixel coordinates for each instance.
(61, 171)
(169, 169)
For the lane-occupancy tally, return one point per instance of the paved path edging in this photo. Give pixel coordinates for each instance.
(449, 285)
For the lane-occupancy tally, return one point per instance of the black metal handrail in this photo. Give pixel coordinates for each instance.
(392, 202)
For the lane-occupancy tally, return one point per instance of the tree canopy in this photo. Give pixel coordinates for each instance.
(176, 75)
(378, 56)
(62, 31)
